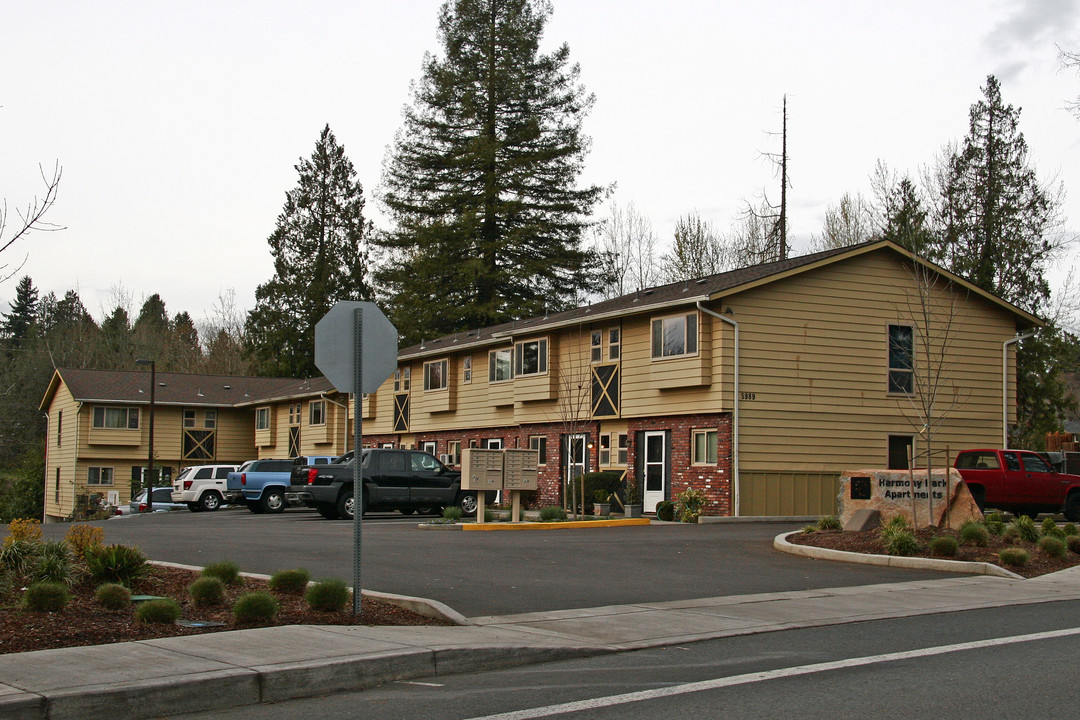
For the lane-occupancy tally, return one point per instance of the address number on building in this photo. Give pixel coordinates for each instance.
(747, 396)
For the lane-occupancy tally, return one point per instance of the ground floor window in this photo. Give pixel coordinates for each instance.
(900, 448)
(539, 444)
(429, 447)
(704, 445)
(453, 449)
(99, 476)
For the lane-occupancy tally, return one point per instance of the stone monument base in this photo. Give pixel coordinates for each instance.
(945, 499)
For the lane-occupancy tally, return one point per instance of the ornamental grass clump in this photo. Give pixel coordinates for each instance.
(46, 597)
(19, 556)
(974, 533)
(828, 522)
(944, 546)
(207, 591)
(1013, 556)
(115, 563)
(1052, 546)
(113, 596)
(162, 611)
(293, 582)
(328, 595)
(898, 540)
(552, 514)
(1073, 543)
(54, 563)
(255, 608)
(452, 513)
(1070, 529)
(1026, 529)
(809, 529)
(226, 571)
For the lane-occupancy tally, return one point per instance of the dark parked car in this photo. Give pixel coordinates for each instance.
(162, 502)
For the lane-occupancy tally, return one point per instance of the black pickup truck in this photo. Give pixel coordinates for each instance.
(405, 480)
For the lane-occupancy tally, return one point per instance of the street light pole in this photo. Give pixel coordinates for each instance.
(150, 454)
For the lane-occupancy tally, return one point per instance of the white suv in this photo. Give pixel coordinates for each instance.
(201, 487)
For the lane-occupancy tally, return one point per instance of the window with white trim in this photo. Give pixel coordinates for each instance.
(406, 378)
(501, 365)
(210, 419)
(295, 415)
(493, 443)
(262, 418)
(614, 343)
(597, 345)
(675, 336)
(466, 369)
(59, 427)
(453, 449)
(901, 359)
(435, 375)
(530, 357)
(605, 450)
(99, 476)
(429, 446)
(623, 449)
(317, 412)
(116, 418)
(189, 418)
(539, 444)
(704, 444)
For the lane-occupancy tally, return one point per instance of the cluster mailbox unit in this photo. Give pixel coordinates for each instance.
(509, 469)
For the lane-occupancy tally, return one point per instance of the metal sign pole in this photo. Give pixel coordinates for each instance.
(358, 485)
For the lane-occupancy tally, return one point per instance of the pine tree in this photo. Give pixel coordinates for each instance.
(481, 182)
(906, 218)
(320, 257)
(23, 315)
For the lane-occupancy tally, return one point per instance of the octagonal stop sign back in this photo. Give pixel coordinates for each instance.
(336, 347)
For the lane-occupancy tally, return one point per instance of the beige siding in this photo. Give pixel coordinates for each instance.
(60, 459)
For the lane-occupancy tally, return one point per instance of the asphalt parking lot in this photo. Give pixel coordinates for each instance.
(498, 573)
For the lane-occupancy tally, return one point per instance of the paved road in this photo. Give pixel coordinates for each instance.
(501, 573)
(829, 673)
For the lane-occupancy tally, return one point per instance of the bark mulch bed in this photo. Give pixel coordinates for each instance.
(868, 542)
(85, 622)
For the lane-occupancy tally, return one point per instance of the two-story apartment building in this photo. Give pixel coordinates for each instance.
(756, 386)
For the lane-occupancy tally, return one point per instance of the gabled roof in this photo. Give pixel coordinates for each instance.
(711, 287)
(133, 387)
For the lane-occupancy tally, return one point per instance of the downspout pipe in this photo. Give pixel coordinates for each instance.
(1005, 384)
(344, 407)
(734, 409)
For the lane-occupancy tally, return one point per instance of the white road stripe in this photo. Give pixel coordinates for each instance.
(719, 683)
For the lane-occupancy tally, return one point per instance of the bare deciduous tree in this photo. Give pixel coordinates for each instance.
(849, 223)
(573, 409)
(697, 250)
(31, 219)
(627, 246)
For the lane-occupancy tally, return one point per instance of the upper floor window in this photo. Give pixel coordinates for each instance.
(531, 357)
(614, 343)
(675, 336)
(397, 380)
(294, 414)
(597, 345)
(59, 427)
(901, 356)
(116, 418)
(435, 375)
(262, 418)
(317, 412)
(189, 418)
(500, 365)
(466, 369)
(210, 419)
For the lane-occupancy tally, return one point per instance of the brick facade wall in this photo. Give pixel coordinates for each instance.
(713, 480)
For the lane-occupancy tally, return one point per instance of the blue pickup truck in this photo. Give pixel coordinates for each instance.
(262, 484)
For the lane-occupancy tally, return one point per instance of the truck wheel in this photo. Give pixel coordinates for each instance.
(1072, 507)
(193, 507)
(327, 510)
(273, 501)
(345, 506)
(467, 502)
(210, 501)
(1031, 512)
(254, 506)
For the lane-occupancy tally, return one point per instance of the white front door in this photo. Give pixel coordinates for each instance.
(574, 462)
(653, 468)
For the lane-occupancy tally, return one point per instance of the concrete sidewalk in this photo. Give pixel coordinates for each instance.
(178, 675)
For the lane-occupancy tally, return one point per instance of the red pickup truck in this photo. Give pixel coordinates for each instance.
(1019, 481)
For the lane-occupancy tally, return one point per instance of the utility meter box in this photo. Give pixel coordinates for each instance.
(519, 469)
(481, 469)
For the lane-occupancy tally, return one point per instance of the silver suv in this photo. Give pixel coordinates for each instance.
(201, 487)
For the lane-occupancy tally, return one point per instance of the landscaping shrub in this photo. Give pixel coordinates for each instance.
(974, 533)
(328, 595)
(115, 563)
(603, 480)
(552, 513)
(489, 515)
(290, 581)
(665, 510)
(1070, 529)
(1052, 546)
(226, 571)
(162, 610)
(20, 555)
(53, 564)
(207, 590)
(452, 513)
(897, 522)
(81, 537)
(1048, 526)
(994, 527)
(1073, 543)
(1025, 528)
(46, 597)
(897, 539)
(112, 596)
(1013, 556)
(1010, 534)
(691, 502)
(944, 546)
(23, 529)
(828, 522)
(255, 607)
(808, 529)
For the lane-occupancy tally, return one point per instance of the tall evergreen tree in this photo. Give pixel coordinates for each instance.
(320, 257)
(906, 218)
(23, 315)
(481, 182)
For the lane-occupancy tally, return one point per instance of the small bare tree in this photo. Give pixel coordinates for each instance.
(627, 246)
(31, 218)
(573, 408)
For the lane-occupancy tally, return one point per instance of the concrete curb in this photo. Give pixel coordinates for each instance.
(568, 525)
(954, 566)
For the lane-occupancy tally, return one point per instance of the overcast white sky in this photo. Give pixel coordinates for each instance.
(178, 125)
